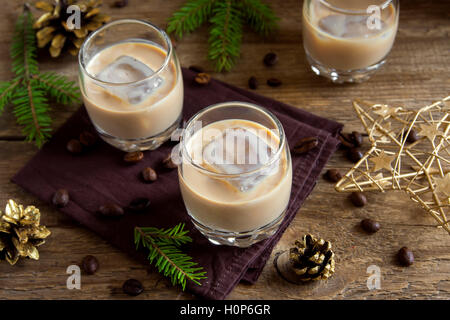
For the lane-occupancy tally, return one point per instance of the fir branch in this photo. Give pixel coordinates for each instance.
(29, 89)
(59, 87)
(260, 16)
(192, 15)
(226, 18)
(225, 35)
(31, 111)
(163, 246)
(7, 89)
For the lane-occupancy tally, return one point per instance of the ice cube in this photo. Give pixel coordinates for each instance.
(347, 26)
(238, 151)
(126, 69)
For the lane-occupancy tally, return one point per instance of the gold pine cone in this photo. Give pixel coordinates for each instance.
(20, 232)
(312, 259)
(52, 27)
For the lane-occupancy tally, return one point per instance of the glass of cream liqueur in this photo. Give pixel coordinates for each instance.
(235, 174)
(348, 40)
(131, 83)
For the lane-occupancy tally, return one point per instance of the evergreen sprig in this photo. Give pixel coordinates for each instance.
(226, 18)
(29, 89)
(163, 246)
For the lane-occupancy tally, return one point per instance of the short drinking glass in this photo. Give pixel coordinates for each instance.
(348, 40)
(131, 83)
(235, 173)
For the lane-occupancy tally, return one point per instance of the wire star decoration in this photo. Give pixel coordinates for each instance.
(410, 151)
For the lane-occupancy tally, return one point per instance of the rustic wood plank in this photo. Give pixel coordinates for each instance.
(416, 74)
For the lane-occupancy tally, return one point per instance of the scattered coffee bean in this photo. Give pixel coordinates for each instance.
(333, 175)
(346, 140)
(60, 198)
(351, 140)
(358, 199)
(270, 59)
(149, 175)
(197, 69)
(120, 3)
(370, 226)
(253, 83)
(357, 138)
(304, 145)
(132, 287)
(133, 157)
(202, 78)
(274, 82)
(111, 210)
(412, 136)
(168, 163)
(139, 205)
(74, 146)
(90, 264)
(405, 257)
(88, 139)
(354, 155)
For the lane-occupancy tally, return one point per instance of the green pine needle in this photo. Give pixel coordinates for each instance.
(226, 18)
(163, 246)
(29, 89)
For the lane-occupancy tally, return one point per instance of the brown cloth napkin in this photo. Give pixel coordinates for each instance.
(100, 176)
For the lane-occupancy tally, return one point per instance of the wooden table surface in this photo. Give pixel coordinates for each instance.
(416, 74)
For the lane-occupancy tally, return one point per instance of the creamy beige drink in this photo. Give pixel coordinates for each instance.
(349, 38)
(218, 186)
(150, 103)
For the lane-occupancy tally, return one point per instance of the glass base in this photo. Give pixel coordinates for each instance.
(341, 76)
(130, 145)
(239, 239)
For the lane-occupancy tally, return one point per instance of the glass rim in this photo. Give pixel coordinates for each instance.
(90, 38)
(383, 5)
(273, 158)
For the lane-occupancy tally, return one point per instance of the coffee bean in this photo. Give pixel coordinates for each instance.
(168, 163)
(139, 205)
(90, 264)
(405, 257)
(111, 210)
(304, 145)
(270, 59)
(149, 175)
(197, 69)
(357, 138)
(74, 146)
(346, 140)
(60, 198)
(202, 78)
(132, 287)
(120, 3)
(358, 199)
(274, 82)
(133, 157)
(354, 155)
(88, 139)
(370, 226)
(333, 175)
(412, 136)
(253, 83)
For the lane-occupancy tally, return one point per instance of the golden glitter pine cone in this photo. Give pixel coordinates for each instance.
(312, 259)
(20, 232)
(52, 29)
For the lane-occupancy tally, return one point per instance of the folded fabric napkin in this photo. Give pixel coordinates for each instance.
(100, 176)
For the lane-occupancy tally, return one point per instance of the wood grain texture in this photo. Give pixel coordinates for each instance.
(416, 74)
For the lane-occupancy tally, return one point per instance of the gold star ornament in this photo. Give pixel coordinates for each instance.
(410, 151)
